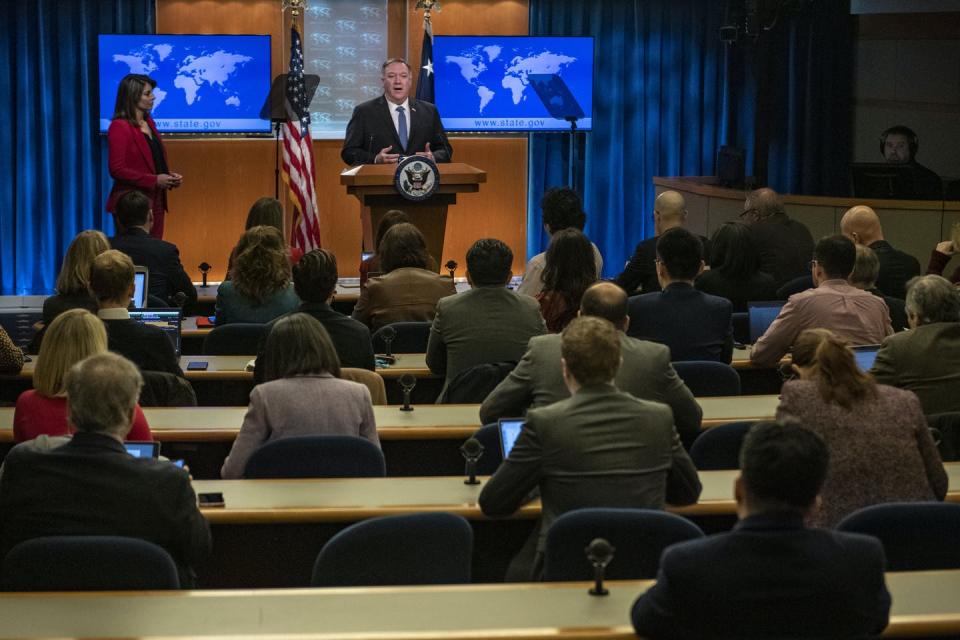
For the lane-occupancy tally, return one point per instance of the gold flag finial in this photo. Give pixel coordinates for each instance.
(428, 6)
(295, 6)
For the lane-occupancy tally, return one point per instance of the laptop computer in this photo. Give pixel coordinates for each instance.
(865, 355)
(166, 319)
(143, 449)
(761, 315)
(141, 287)
(509, 432)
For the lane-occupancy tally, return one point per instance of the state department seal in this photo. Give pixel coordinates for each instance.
(416, 178)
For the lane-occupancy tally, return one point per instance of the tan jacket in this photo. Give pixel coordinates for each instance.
(407, 294)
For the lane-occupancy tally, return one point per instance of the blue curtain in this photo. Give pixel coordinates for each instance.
(53, 176)
(667, 95)
(807, 71)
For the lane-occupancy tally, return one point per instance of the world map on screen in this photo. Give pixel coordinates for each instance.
(483, 82)
(214, 83)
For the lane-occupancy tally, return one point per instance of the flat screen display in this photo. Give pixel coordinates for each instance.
(205, 83)
(513, 83)
(761, 316)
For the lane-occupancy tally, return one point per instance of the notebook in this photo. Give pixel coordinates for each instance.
(761, 315)
(509, 431)
(166, 319)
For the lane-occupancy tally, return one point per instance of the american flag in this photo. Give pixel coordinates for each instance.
(425, 80)
(297, 155)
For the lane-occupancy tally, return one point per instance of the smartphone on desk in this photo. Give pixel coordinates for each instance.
(210, 499)
(197, 365)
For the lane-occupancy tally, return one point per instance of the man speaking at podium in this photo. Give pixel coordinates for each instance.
(385, 128)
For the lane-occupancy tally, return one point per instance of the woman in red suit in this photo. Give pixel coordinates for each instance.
(137, 158)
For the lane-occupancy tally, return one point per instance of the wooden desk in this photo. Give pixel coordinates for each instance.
(234, 367)
(425, 422)
(924, 603)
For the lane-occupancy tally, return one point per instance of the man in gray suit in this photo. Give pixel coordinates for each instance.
(487, 324)
(599, 448)
(646, 371)
(926, 359)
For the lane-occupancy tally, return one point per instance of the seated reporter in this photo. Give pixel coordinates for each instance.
(268, 212)
(92, 486)
(73, 336)
(371, 265)
(864, 276)
(260, 289)
(568, 271)
(315, 281)
(926, 359)
(693, 324)
(162, 258)
(407, 291)
(880, 447)
(303, 394)
(734, 271)
(111, 282)
(599, 448)
(11, 357)
(771, 577)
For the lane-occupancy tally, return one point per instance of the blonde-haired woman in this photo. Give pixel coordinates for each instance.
(880, 447)
(71, 337)
(261, 288)
(73, 280)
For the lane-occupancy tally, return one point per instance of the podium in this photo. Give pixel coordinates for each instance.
(372, 184)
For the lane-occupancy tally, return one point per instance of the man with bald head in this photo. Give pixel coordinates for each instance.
(646, 371)
(862, 225)
(785, 245)
(640, 274)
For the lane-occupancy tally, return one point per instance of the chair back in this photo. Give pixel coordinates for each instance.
(411, 338)
(638, 535)
(705, 378)
(718, 448)
(162, 389)
(316, 457)
(916, 536)
(88, 563)
(473, 385)
(235, 339)
(423, 548)
(371, 379)
(947, 435)
(489, 436)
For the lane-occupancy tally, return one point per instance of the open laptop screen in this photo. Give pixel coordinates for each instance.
(761, 316)
(509, 432)
(142, 449)
(166, 319)
(865, 356)
(140, 287)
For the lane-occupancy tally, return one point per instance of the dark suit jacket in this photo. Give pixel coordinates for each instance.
(147, 347)
(91, 486)
(925, 360)
(695, 326)
(167, 276)
(785, 247)
(371, 129)
(131, 164)
(768, 578)
(760, 286)
(350, 338)
(641, 271)
(645, 373)
(481, 326)
(897, 307)
(896, 268)
(599, 448)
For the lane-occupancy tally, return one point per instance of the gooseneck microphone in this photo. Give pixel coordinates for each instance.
(599, 553)
(407, 383)
(472, 451)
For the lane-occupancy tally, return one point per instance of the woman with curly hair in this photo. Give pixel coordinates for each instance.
(569, 270)
(261, 288)
(265, 211)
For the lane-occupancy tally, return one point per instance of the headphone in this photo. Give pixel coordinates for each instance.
(899, 129)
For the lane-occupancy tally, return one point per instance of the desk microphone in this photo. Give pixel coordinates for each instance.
(451, 267)
(204, 269)
(388, 334)
(599, 553)
(472, 451)
(407, 383)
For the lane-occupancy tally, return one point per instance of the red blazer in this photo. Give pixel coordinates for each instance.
(131, 164)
